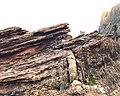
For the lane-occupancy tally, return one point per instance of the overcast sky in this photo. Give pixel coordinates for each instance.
(32, 15)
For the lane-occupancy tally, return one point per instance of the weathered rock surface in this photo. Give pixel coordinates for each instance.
(51, 59)
(95, 53)
(110, 22)
(27, 60)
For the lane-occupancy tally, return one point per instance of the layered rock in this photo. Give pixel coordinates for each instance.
(95, 53)
(30, 59)
(52, 59)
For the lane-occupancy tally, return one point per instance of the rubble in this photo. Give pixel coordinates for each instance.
(51, 60)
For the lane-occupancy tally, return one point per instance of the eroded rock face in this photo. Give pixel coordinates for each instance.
(110, 22)
(95, 54)
(51, 59)
(30, 60)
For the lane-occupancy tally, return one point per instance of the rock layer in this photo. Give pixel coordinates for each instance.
(51, 58)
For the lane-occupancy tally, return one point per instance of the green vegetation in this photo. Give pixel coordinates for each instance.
(91, 81)
(22, 93)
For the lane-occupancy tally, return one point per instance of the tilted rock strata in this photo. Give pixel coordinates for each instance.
(52, 58)
(27, 59)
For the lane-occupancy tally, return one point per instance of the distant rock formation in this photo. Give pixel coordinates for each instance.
(50, 59)
(110, 23)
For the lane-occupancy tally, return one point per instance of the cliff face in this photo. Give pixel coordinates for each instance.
(50, 58)
(110, 22)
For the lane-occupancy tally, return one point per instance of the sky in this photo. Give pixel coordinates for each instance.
(82, 15)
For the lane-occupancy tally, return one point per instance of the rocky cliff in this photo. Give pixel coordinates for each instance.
(110, 22)
(49, 62)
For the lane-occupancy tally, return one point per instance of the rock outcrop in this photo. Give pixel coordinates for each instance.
(110, 23)
(51, 59)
